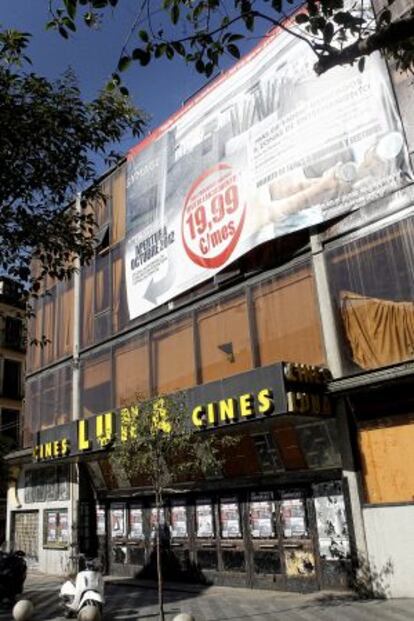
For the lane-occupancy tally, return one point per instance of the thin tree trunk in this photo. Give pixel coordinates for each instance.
(159, 567)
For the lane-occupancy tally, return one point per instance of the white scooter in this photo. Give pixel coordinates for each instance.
(86, 594)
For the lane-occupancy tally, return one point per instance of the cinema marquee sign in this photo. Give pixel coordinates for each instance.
(277, 390)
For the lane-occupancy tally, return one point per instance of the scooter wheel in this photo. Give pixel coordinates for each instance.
(90, 612)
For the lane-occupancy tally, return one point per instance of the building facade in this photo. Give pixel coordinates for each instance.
(305, 336)
(12, 359)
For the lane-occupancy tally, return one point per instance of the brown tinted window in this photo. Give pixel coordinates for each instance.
(131, 372)
(373, 289)
(118, 205)
(119, 304)
(49, 327)
(64, 395)
(35, 331)
(388, 460)
(287, 320)
(64, 319)
(31, 411)
(96, 385)
(173, 357)
(87, 304)
(102, 291)
(224, 339)
(47, 412)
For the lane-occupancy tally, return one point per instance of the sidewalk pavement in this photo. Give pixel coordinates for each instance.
(216, 603)
(133, 600)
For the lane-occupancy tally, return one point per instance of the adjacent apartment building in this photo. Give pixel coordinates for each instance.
(12, 359)
(256, 252)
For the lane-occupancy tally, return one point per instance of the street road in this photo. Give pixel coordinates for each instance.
(137, 603)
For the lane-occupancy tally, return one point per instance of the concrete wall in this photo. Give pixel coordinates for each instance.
(51, 561)
(390, 541)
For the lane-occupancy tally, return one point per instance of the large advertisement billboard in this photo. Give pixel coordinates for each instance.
(267, 149)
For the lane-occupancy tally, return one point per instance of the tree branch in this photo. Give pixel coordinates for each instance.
(387, 37)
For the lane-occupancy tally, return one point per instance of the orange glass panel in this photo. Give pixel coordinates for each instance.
(173, 357)
(388, 460)
(87, 304)
(64, 319)
(287, 321)
(49, 350)
(118, 205)
(224, 339)
(96, 385)
(131, 367)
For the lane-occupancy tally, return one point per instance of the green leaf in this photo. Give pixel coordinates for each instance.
(235, 37)
(179, 47)
(249, 21)
(233, 50)
(143, 56)
(63, 32)
(124, 63)
(143, 35)
(69, 24)
(70, 7)
(160, 50)
(124, 91)
(199, 66)
(208, 69)
(175, 13)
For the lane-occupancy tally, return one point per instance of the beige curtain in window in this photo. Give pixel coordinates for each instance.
(380, 332)
(118, 205)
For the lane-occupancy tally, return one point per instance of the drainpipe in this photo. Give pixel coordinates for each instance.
(74, 496)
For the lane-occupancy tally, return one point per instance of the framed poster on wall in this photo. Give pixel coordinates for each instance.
(56, 528)
(117, 517)
(100, 520)
(230, 518)
(293, 517)
(204, 519)
(179, 521)
(136, 524)
(261, 515)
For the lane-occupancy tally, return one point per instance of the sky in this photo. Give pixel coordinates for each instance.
(159, 89)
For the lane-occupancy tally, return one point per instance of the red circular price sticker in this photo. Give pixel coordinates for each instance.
(213, 217)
